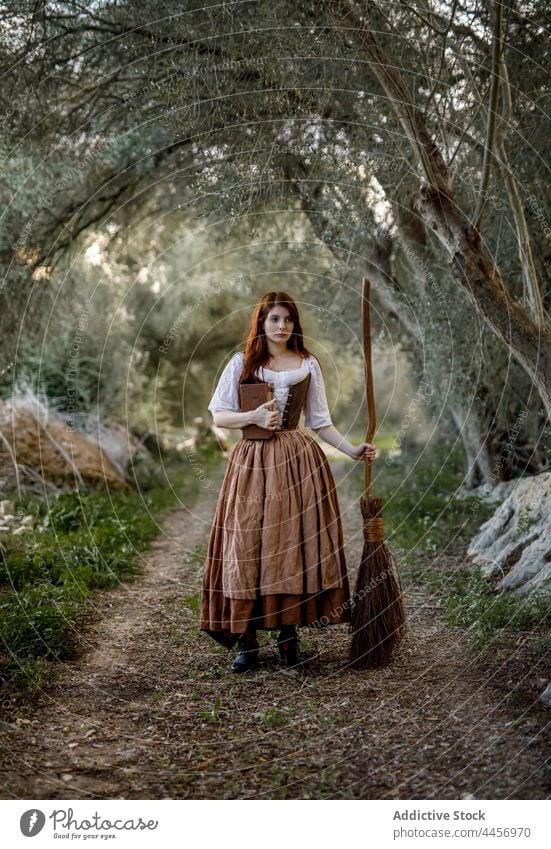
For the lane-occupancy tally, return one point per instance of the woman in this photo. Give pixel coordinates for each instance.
(275, 556)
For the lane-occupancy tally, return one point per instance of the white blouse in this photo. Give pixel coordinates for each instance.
(316, 410)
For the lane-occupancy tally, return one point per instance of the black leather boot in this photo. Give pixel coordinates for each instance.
(247, 657)
(287, 643)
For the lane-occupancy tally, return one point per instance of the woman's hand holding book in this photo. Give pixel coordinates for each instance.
(265, 415)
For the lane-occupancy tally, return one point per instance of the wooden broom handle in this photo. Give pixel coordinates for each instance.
(372, 421)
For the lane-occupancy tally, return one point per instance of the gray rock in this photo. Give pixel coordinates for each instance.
(545, 697)
(515, 543)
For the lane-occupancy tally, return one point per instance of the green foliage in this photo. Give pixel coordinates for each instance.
(43, 368)
(193, 602)
(421, 510)
(80, 543)
(212, 715)
(271, 717)
(37, 622)
(28, 677)
(472, 604)
(158, 696)
(469, 601)
(87, 541)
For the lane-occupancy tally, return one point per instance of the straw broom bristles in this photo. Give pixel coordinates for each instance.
(378, 619)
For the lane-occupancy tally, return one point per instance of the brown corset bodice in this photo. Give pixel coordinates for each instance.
(294, 404)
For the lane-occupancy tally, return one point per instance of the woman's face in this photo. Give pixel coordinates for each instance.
(278, 324)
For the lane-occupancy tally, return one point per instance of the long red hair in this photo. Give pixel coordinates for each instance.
(256, 346)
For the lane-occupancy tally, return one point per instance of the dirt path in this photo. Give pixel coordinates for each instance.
(151, 711)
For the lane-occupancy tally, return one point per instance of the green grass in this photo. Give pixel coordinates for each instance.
(468, 600)
(271, 717)
(214, 714)
(421, 511)
(80, 543)
(424, 521)
(488, 615)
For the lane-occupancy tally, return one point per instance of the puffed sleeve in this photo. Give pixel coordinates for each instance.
(316, 410)
(226, 395)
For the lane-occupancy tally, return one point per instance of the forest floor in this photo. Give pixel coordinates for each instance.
(150, 709)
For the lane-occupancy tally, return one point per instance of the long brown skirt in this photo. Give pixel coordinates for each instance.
(275, 554)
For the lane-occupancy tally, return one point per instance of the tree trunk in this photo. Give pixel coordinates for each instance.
(478, 461)
(471, 266)
(481, 280)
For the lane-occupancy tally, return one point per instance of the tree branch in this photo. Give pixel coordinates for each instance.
(497, 51)
(529, 273)
(471, 266)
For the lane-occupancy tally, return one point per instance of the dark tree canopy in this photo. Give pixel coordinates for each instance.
(300, 146)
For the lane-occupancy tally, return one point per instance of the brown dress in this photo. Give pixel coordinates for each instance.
(275, 553)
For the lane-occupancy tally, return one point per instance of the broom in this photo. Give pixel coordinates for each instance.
(378, 619)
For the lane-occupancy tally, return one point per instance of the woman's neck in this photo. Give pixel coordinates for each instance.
(278, 350)
(282, 359)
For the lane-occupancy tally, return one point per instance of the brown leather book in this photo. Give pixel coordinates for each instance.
(251, 396)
